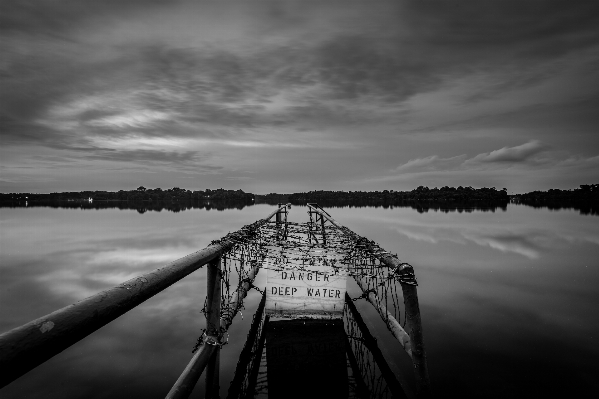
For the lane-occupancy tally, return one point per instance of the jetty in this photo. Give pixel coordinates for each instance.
(306, 328)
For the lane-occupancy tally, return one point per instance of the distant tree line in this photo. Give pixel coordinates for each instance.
(586, 192)
(141, 194)
(272, 198)
(140, 207)
(421, 194)
(585, 199)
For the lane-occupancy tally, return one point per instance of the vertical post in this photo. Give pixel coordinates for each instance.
(313, 226)
(324, 238)
(279, 214)
(213, 376)
(286, 224)
(213, 325)
(279, 222)
(310, 225)
(414, 327)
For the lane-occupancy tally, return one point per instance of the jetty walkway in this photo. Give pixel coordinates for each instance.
(306, 327)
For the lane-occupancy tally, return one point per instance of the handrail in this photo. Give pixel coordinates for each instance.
(26, 347)
(217, 325)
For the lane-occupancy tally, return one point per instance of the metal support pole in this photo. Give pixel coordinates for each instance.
(213, 376)
(213, 298)
(207, 354)
(324, 238)
(189, 377)
(414, 327)
(281, 226)
(213, 325)
(279, 214)
(286, 233)
(313, 227)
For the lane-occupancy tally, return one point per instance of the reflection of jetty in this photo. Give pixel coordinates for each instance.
(307, 338)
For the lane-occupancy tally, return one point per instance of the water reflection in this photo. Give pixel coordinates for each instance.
(584, 207)
(508, 298)
(501, 288)
(306, 358)
(421, 206)
(139, 206)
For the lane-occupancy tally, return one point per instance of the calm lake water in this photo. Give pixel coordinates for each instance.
(509, 299)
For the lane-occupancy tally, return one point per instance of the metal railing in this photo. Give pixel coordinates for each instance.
(26, 347)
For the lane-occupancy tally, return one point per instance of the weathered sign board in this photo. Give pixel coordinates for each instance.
(317, 293)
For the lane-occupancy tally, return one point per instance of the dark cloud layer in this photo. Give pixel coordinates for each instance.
(79, 73)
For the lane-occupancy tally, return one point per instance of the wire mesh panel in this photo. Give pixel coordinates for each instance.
(366, 370)
(374, 276)
(313, 257)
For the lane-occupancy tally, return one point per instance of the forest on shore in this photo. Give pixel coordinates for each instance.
(585, 198)
(140, 194)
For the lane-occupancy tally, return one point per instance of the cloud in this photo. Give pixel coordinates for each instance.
(508, 242)
(520, 153)
(522, 168)
(525, 241)
(433, 162)
(504, 157)
(87, 74)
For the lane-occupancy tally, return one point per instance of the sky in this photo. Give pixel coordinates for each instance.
(290, 96)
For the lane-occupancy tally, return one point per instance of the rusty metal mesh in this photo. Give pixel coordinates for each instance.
(307, 247)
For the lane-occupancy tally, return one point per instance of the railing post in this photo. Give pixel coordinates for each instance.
(280, 234)
(312, 226)
(212, 376)
(286, 232)
(213, 326)
(213, 298)
(279, 214)
(324, 238)
(414, 327)
(207, 355)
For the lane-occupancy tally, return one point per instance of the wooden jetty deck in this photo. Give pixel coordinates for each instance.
(306, 326)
